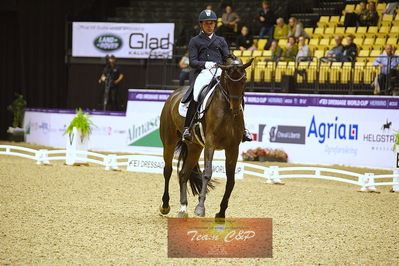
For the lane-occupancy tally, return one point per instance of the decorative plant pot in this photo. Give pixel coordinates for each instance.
(75, 144)
(16, 137)
(262, 158)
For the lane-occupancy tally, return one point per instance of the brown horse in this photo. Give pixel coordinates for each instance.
(223, 125)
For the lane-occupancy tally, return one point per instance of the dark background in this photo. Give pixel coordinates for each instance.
(34, 57)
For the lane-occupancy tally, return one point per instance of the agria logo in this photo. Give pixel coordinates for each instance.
(332, 130)
(108, 42)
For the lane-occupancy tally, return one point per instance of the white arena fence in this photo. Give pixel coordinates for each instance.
(273, 174)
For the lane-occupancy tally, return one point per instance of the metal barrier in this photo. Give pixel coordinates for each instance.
(366, 182)
(314, 76)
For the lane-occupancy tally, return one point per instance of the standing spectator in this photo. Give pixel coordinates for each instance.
(281, 30)
(111, 76)
(369, 18)
(295, 28)
(291, 50)
(350, 50)
(387, 63)
(244, 40)
(230, 20)
(266, 19)
(184, 65)
(352, 19)
(303, 54)
(336, 53)
(390, 8)
(277, 51)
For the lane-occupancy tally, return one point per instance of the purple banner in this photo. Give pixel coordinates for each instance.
(368, 102)
(70, 111)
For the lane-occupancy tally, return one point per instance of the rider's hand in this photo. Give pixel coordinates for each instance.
(209, 65)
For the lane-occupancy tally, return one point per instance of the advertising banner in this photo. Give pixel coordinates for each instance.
(124, 40)
(311, 129)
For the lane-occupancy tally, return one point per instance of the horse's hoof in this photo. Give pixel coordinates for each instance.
(219, 218)
(182, 214)
(199, 211)
(163, 210)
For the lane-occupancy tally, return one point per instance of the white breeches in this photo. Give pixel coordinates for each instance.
(203, 79)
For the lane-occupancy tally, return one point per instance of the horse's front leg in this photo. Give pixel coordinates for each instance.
(206, 177)
(231, 161)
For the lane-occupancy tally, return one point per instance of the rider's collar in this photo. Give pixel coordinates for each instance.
(209, 36)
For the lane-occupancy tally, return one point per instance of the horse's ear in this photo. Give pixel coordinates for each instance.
(248, 64)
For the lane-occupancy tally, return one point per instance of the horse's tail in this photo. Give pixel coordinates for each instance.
(195, 177)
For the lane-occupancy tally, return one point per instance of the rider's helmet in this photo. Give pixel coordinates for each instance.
(206, 15)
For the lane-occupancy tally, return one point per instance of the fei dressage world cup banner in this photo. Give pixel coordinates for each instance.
(124, 40)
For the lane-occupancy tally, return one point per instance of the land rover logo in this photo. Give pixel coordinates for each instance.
(108, 42)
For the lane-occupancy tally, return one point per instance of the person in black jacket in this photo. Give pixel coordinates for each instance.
(245, 41)
(267, 20)
(350, 50)
(206, 51)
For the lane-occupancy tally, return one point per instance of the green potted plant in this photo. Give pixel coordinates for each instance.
(17, 108)
(78, 131)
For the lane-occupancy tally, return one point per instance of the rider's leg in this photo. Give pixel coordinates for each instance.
(247, 136)
(203, 79)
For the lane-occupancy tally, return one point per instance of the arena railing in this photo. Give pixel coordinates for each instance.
(265, 75)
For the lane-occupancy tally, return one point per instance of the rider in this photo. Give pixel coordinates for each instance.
(206, 51)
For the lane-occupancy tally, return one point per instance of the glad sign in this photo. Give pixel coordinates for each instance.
(124, 40)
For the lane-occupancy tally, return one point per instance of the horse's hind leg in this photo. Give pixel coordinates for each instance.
(167, 172)
(193, 154)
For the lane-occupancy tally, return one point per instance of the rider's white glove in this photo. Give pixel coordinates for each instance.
(209, 65)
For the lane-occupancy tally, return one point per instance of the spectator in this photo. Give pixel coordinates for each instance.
(266, 19)
(370, 17)
(350, 50)
(291, 50)
(295, 28)
(277, 52)
(230, 20)
(303, 54)
(244, 40)
(336, 53)
(388, 63)
(185, 69)
(352, 19)
(390, 8)
(280, 30)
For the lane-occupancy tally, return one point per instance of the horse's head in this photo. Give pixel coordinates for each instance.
(233, 81)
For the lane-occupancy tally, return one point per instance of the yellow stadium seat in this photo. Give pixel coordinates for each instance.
(362, 56)
(282, 43)
(290, 70)
(369, 72)
(329, 32)
(311, 72)
(380, 41)
(358, 42)
(301, 66)
(397, 52)
(318, 32)
(335, 72)
(324, 69)
(349, 7)
(383, 31)
(268, 72)
(392, 41)
(237, 53)
(368, 43)
(386, 20)
(381, 6)
(334, 20)
(374, 53)
(246, 53)
(395, 22)
(267, 53)
(323, 21)
(346, 72)
(314, 42)
(318, 54)
(261, 44)
(309, 31)
(358, 72)
(372, 31)
(280, 70)
(324, 43)
(361, 31)
(256, 53)
(350, 30)
(259, 71)
(394, 31)
(340, 30)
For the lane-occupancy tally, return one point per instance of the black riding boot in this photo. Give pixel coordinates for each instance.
(247, 136)
(192, 109)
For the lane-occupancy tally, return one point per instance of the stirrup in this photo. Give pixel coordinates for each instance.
(186, 136)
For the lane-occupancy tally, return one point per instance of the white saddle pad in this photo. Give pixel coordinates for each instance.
(183, 107)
